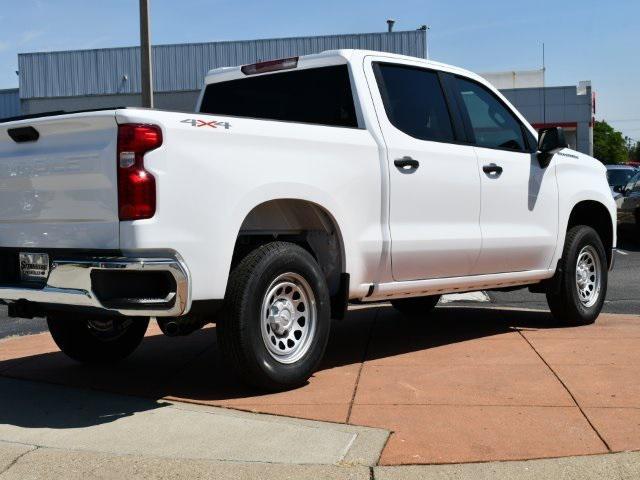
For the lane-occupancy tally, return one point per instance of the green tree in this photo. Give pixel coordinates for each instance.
(609, 145)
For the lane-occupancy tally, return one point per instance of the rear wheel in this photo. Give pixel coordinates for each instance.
(580, 289)
(416, 306)
(275, 324)
(96, 339)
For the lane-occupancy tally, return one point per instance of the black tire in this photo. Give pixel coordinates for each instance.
(241, 326)
(96, 339)
(416, 306)
(564, 299)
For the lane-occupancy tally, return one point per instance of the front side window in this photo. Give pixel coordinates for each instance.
(316, 95)
(414, 102)
(493, 125)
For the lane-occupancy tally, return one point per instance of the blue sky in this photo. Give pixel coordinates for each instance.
(585, 40)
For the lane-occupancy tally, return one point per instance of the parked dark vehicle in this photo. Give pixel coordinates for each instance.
(619, 176)
(629, 204)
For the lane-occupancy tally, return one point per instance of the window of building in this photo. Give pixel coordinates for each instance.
(414, 102)
(317, 95)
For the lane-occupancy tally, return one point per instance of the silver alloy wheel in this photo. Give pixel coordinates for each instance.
(288, 318)
(588, 276)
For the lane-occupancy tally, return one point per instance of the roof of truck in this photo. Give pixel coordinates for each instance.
(329, 57)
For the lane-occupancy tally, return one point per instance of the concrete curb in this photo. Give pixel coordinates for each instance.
(610, 466)
(27, 462)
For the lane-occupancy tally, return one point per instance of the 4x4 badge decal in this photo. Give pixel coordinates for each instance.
(196, 122)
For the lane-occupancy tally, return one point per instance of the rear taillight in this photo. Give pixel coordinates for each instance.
(136, 186)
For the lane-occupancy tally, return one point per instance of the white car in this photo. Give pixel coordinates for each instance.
(300, 185)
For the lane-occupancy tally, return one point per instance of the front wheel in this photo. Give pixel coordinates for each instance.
(275, 323)
(96, 339)
(581, 287)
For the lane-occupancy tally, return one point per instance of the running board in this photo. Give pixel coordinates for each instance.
(440, 286)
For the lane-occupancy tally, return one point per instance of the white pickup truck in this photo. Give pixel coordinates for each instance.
(299, 186)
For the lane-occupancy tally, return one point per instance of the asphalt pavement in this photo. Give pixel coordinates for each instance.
(623, 295)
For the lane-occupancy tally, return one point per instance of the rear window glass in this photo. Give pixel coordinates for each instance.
(414, 102)
(318, 95)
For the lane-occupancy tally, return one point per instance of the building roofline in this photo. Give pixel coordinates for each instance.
(130, 47)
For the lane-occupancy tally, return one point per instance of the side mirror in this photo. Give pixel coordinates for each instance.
(550, 141)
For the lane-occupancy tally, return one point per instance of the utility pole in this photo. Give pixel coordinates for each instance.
(544, 87)
(145, 56)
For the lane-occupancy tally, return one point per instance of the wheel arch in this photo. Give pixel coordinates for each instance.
(594, 214)
(305, 223)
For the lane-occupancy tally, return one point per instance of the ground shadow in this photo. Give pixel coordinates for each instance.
(189, 367)
(35, 405)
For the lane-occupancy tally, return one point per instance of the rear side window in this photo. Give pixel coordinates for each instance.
(318, 95)
(414, 102)
(493, 125)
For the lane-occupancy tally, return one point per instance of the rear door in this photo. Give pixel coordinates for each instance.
(519, 218)
(433, 177)
(58, 182)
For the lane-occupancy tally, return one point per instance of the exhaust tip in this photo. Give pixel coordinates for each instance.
(170, 328)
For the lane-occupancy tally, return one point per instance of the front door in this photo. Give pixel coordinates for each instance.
(519, 218)
(434, 182)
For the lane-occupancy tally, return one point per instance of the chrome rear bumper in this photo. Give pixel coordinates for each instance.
(69, 283)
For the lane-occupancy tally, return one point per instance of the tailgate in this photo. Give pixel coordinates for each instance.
(58, 182)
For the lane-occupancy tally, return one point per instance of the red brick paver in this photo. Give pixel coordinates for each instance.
(466, 384)
(454, 433)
